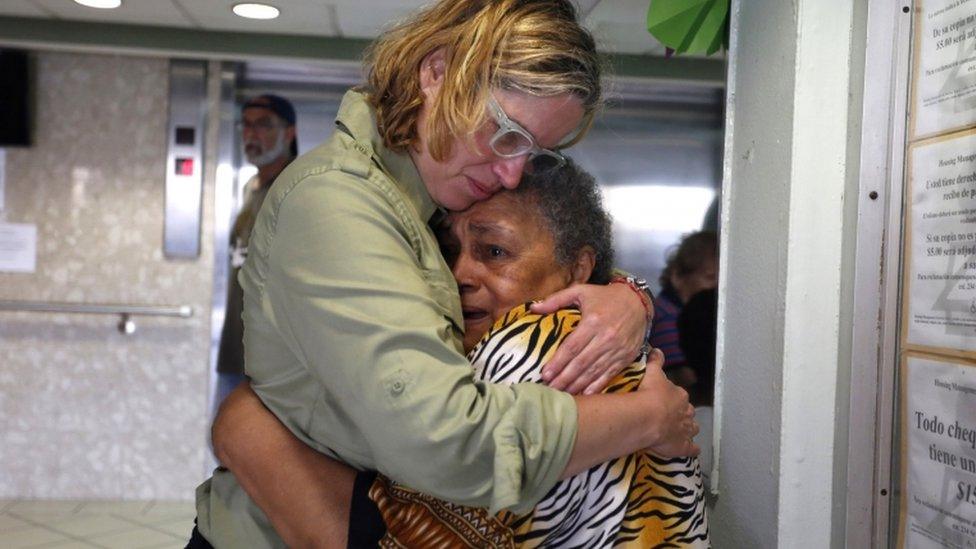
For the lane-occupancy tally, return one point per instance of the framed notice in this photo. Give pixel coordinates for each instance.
(938, 467)
(18, 247)
(944, 82)
(940, 256)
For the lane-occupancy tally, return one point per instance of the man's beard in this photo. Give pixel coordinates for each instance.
(263, 159)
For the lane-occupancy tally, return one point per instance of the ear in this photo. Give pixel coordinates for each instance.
(583, 266)
(290, 134)
(432, 72)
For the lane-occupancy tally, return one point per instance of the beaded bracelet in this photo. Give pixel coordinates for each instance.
(639, 286)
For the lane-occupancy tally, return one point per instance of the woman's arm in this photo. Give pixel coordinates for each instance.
(610, 335)
(657, 417)
(306, 495)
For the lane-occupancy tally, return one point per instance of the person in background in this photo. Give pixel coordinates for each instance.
(268, 138)
(691, 268)
(697, 325)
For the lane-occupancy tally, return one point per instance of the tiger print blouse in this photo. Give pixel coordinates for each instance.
(639, 500)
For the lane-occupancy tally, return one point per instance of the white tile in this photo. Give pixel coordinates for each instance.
(173, 545)
(70, 544)
(21, 8)
(10, 523)
(162, 511)
(179, 527)
(151, 12)
(42, 509)
(305, 17)
(30, 537)
(117, 508)
(140, 538)
(90, 525)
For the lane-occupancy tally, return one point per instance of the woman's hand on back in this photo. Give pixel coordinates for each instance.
(673, 420)
(607, 340)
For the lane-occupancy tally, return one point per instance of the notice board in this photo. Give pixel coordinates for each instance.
(937, 368)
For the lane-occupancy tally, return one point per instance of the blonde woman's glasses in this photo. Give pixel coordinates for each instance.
(512, 140)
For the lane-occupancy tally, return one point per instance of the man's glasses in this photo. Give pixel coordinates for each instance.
(513, 140)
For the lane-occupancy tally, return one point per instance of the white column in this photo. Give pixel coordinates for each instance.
(786, 242)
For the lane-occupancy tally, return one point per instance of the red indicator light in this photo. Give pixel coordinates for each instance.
(184, 166)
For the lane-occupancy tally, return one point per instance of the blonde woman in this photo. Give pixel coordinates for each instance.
(353, 325)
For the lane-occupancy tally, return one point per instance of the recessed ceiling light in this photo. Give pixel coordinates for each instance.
(253, 10)
(101, 4)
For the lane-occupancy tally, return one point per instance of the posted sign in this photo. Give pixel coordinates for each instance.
(939, 437)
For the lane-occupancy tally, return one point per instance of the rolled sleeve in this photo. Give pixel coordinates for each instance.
(353, 297)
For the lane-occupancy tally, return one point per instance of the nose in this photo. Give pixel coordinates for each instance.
(248, 133)
(509, 170)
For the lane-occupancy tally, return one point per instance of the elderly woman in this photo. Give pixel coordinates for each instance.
(692, 267)
(515, 247)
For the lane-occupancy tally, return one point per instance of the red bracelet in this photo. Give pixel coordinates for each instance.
(644, 299)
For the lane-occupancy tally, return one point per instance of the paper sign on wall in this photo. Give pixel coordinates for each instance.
(945, 72)
(941, 275)
(18, 247)
(939, 434)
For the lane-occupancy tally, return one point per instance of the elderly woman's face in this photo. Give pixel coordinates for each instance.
(502, 254)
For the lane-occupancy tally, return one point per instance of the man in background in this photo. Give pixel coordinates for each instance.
(268, 137)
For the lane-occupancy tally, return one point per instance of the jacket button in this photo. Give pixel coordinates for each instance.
(397, 387)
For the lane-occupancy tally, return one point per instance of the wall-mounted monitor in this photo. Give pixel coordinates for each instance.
(15, 89)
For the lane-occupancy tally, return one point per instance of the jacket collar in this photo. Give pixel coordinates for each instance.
(359, 119)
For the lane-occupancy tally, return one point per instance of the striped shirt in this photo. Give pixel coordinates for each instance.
(664, 333)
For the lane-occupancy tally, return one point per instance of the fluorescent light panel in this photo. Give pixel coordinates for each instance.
(254, 10)
(100, 4)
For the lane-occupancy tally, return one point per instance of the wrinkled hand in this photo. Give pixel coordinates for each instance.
(672, 417)
(606, 341)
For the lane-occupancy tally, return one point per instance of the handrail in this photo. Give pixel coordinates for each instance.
(181, 311)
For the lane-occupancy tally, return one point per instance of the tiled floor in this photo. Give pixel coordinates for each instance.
(95, 524)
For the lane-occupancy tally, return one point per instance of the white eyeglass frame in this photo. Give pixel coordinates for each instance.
(507, 125)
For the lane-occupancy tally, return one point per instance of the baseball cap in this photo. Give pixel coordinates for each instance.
(274, 103)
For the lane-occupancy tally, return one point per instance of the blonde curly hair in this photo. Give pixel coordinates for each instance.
(532, 46)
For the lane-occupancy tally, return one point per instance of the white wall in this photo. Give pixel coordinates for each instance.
(785, 266)
(86, 412)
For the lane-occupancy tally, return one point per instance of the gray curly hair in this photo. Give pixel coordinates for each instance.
(570, 201)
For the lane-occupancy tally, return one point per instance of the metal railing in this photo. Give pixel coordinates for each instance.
(125, 312)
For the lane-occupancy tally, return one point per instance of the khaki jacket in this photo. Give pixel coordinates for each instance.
(353, 339)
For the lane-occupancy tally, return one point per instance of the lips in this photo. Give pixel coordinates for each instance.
(479, 191)
(474, 314)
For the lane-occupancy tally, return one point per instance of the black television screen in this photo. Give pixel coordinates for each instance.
(14, 100)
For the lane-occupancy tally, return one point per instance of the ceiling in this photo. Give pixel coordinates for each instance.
(618, 25)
